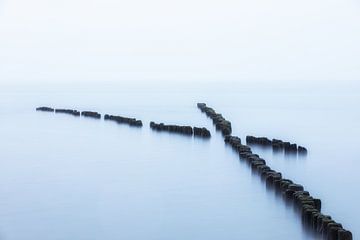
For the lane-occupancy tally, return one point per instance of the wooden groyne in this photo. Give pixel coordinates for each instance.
(45, 109)
(185, 130)
(220, 122)
(308, 206)
(133, 122)
(68, 111)
(91, 114)
(276, 144)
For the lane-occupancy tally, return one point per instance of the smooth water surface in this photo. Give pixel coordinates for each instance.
(63, 177)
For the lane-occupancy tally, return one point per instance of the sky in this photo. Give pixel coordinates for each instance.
(187, 40)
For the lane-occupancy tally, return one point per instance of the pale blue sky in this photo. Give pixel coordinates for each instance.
(67, 40)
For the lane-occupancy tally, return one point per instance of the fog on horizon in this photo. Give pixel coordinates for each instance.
(179, 40)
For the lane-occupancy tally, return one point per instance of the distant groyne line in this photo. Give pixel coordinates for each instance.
(95, 115)
(308, 206)
(201, 132)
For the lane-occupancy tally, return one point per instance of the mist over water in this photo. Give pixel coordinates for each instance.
(63, 177)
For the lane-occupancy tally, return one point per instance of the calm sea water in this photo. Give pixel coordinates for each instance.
(63, 177)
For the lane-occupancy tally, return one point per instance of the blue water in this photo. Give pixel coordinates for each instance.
(63, 177)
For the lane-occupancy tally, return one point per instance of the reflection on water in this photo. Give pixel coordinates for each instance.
(75, 178)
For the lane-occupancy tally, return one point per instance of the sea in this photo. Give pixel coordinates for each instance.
(64, 177)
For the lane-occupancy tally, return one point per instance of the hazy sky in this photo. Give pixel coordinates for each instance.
(66, 40)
